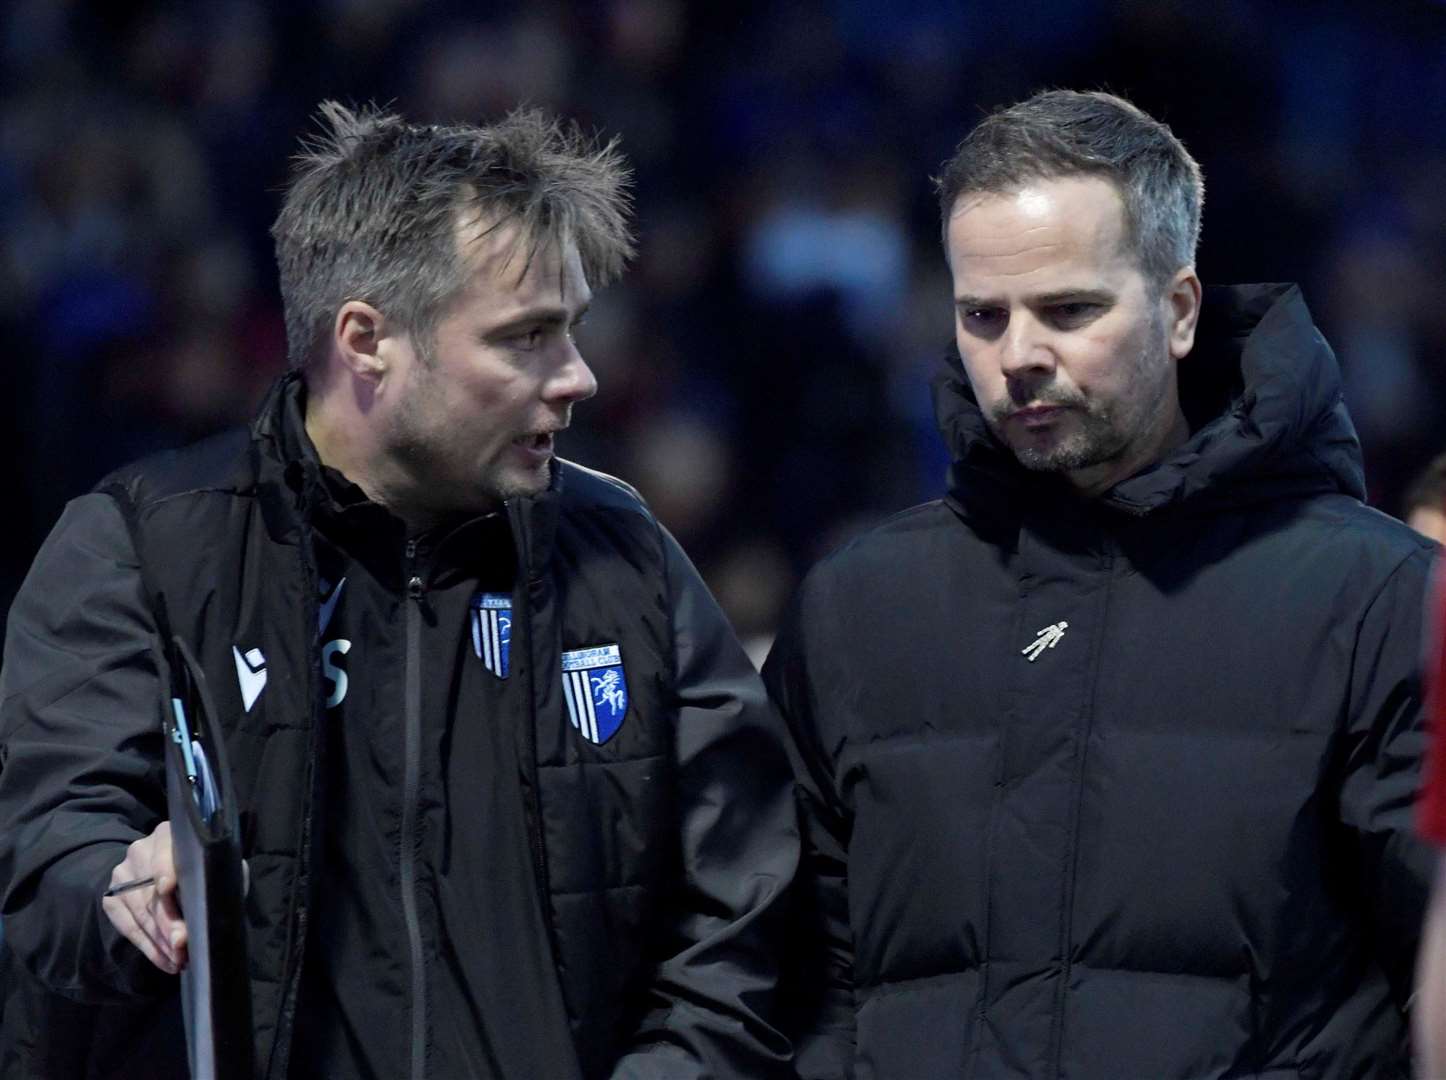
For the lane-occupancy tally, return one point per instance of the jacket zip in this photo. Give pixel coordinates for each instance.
(410, 793)
(532, 797)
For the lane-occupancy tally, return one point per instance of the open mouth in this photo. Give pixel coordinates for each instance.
(539, 442)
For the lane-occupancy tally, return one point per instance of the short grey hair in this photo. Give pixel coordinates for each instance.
(1060, 133)
(374, 203)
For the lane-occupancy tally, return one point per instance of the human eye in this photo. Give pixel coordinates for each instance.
(527, 339)
(983, 321)
(1074, 313)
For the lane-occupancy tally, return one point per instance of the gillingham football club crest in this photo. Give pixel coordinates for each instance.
(492, 630)
(595, 691)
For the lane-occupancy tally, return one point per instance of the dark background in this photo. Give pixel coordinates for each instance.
(764, 364)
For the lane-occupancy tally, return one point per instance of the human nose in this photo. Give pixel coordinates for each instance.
(1026, 347)
(573, 380)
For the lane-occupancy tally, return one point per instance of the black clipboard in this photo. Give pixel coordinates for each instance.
(206, 844)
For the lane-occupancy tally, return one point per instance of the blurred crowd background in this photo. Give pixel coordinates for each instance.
(765, 363)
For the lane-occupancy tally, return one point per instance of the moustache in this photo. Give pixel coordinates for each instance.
(1021, 397)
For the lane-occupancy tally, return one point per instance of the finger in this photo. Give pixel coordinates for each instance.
(163, 857)
(170, 922)
(124, 921)
(165, 911)
(139, 904)
(167, 894)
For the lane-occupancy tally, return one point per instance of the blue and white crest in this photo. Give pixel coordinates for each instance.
(595, 691)
(492, 630)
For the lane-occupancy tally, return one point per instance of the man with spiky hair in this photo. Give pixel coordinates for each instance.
(1108, 756)
(511, 798)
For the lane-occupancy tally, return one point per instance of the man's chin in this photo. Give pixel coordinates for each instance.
(522, 485)
(1043, 453)
(1063, 457)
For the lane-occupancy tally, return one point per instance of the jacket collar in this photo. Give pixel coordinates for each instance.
(288, 479)
(534, 524)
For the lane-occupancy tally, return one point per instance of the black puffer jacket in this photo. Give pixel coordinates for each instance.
(661, 856)
(1176, 843)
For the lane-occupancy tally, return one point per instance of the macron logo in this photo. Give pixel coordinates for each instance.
(329, 597)
(251, 673)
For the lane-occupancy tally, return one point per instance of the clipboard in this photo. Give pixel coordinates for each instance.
(206, 845)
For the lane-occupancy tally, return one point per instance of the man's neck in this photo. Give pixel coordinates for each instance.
(347, 445)
(344, 445)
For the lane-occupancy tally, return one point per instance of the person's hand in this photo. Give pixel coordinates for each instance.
(149, 917)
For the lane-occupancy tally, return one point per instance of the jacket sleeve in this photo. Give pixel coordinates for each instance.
(713, 1000)
(80, 743)
(818, 979)
(1384, 746)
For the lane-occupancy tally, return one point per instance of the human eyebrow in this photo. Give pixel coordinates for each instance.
(1073, 296)
(537, 318)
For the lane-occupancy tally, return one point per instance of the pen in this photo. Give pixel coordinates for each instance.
(127, 886)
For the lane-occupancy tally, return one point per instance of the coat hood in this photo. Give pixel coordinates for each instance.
(1262, 393)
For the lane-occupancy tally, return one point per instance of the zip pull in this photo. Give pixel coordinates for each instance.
(415, 585)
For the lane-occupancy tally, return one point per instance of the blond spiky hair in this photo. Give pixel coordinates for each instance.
(373, 205)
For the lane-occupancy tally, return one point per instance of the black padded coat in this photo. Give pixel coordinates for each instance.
(1120, 789)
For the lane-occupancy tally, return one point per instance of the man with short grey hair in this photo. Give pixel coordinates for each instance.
(1108, 756)
(512, 800)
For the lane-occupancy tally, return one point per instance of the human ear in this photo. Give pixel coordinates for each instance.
(1183, 297)
(357, 335)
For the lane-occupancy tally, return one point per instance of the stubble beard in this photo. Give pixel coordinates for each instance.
(1096, 441)
(1106, 431)
(446, 473)
(501, 489)
(440, 482)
